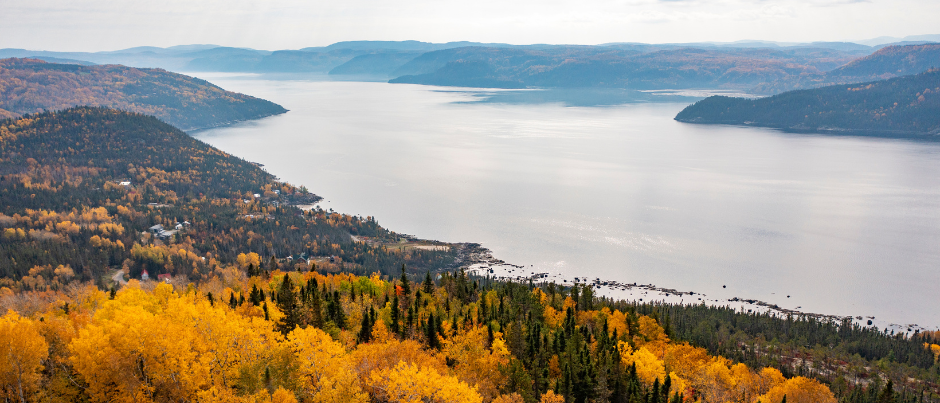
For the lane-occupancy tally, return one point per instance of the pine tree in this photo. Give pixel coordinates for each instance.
(396, 316)
(667, 384)
(365, 330)
(314, 305)
(431, 333)
(428, 286)
(887, 394)
(405, 286)
(286, 301)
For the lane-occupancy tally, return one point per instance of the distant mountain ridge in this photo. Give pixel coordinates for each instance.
(616, 67)
(907, 106)
(32, 86)
(762, 67)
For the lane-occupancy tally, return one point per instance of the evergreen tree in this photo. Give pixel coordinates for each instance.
(396, 316)
(887, 394)
(365, 329)
(313, 304)
(286, 300)
(251, 272)
(431, 333)
(428, 286)
(405, 286)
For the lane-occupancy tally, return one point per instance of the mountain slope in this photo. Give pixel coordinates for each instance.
(31, 86)
(903, 106)
(380, 64)
(82, 187)
(888, 62)
(616, 66)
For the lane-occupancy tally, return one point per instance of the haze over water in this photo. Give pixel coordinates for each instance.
(843, 225)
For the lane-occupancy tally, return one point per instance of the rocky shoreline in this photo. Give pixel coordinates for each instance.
(480, 261)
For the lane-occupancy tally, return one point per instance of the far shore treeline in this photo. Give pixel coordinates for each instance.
(906, 106)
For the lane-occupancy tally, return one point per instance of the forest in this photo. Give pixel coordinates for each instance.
(305, 336)
(33, 86)
(242, 296)
(81, 187)
(898, 107)
(888, 62)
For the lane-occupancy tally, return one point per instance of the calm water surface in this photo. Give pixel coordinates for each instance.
(844, 225)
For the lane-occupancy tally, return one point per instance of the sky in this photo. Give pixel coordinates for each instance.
(96, 25)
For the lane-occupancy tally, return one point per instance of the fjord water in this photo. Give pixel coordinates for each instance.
(843, 225)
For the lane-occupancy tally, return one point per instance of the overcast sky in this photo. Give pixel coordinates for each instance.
(92, 25)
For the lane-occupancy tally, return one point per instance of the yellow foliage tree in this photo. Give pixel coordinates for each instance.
(476, 364)
(406, 383)
(22, 350)
(142, 345)
(551, 397)
(799, 390)
(324, 369)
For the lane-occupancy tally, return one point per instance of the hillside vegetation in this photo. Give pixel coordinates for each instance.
(903, 106)
(888, 62)
(32, 86)
(636, 67)
(81, 187)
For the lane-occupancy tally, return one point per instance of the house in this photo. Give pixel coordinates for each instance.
(125, 183)
(178, 226)
(156, 229)
(144, 275)
(165, 277)
(166, 234)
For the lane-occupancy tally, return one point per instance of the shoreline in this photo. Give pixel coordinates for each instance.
(480, 261)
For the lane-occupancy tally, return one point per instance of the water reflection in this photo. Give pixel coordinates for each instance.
(844, 225)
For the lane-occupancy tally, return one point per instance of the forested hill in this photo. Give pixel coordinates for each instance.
(889, 62)
(903, 106)
(31, 86)
(636, 67)
(82, 186)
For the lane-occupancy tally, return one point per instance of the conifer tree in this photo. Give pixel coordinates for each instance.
(431, 333)
(428, 286)
(365, 330)
(396, 316)
(286, 301)
(405, 286)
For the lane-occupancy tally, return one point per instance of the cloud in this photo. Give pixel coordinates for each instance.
(292, 24)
